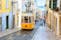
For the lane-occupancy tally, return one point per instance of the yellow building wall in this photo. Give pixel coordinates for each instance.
(3, 4)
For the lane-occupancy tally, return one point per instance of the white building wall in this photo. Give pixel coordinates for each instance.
(3, 22)
(10, 20)
(20, 11)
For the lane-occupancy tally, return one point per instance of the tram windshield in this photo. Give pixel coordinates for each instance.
(26, 19)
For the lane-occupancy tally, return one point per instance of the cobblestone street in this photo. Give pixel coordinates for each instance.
(39, 33)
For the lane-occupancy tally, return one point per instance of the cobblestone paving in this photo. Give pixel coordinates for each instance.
(39, 33)
(22, 34)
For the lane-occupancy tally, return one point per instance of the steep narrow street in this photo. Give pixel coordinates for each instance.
(39, 33)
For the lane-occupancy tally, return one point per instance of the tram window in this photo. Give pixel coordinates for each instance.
(29, 19)
(32, 19)
(26, 19)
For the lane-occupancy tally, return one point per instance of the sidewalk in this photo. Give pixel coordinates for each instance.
(2, 34)
(43, 33)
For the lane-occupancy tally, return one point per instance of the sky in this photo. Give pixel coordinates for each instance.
(39, 4)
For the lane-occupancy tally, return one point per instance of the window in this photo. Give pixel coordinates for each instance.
(54, 4)
(32, 18)
(0, 4)
(29, 19)
(50, 4)
(7, 25)
(6, 3)
(14, 21)
(26, 19)
(60, 4)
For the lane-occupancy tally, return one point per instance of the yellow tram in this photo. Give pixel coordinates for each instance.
(28, 17)
(27, 21)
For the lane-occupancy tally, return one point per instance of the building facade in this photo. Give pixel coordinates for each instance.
(8, 10)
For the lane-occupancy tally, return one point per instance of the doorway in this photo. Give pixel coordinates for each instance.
(7, 22)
